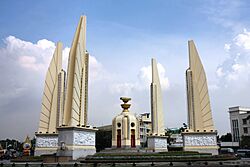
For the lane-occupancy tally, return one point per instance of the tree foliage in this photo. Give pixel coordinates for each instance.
(226, 138)
(245, 142)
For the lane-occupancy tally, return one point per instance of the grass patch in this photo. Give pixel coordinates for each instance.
(171, 153)
(175, 156)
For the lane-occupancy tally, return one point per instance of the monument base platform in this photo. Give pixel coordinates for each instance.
(157, 143)
(203, 142)
(76, 142)
(126, 144)
(46, 143)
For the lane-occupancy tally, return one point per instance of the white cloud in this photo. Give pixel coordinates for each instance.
(45, 44)
(29, 62)
(237, 66)
(35, 57)
(65, 56)
(123, 88)
(238, 71)
(232, 78)
(227, 47)
(219, 72)
(143, 81)
(96, 70)
(243, 40)
(213, 87)
(225, 13)
(145, 75)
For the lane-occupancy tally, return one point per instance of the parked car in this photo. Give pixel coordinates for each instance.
(243, 153)
(228, 151)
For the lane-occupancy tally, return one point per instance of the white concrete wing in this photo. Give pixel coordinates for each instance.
(199, 109)
(156, 102)
(77, 79)
(51, 96)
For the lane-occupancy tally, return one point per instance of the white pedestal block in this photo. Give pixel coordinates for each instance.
(203, 142)
(46, 143)
(157, 143)
(76, 142)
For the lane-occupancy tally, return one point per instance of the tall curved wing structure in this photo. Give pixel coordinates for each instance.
(77, 79)
(199, 109)
(53, 94)
(156, 103)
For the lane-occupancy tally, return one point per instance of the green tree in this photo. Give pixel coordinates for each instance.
(245, 142)
(226, 138)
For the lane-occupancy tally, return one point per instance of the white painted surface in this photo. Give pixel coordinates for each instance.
(46, 141)
(157, 143)
(84, 138)
(157, 117)
(161, 143)
(200, 140)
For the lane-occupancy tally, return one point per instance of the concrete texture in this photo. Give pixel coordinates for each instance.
(76, 100)
(199, 109)
(157, 143)
(76, 142)
(52, 100)
(127, 123)
(157, 117)
(203, 142)
(46, 144)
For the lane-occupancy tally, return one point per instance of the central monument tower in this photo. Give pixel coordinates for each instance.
(125, 128)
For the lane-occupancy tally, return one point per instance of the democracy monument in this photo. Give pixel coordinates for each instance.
(63, 127)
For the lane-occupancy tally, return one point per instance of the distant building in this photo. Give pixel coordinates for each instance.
(105, 128)
(232, 145)
(145, 128)
(240, 122)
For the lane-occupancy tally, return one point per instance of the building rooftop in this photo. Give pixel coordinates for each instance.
(105, 127)
(239, 108)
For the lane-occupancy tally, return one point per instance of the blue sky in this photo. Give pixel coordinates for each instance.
(122, 37)
(54, 19)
